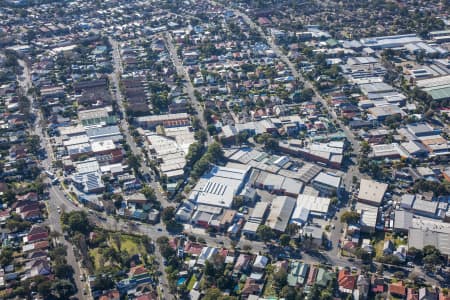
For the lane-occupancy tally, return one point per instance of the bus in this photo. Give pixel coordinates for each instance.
(50, 174)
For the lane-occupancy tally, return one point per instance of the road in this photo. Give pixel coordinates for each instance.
(188, 87)
(56, 197)
(115, 80)
(352, 171)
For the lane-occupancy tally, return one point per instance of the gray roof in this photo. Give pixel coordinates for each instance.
(408, 200)
(280, 212)
(420, 128)
(103, 131)
(328, 179)
(372, 191)
(259, 211)
(403, 220)
(428, 207)
(419, 238)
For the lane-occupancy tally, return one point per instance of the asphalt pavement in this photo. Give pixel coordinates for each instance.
(115, 80)
(56, 199)
(188, 87)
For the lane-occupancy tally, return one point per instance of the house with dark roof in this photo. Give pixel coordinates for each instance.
(251, 287)
(36, 234)
(377, 285)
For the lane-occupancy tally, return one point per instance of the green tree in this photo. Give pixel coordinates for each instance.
(285, 240)
(212, 294)
(77, 221)
(45, 288)
(168, 214)
(149, 193)
(350, 217)
(134, 162)
(264, 233)
(63, 288)
(365, 148)
(292, 229)
(63, 271)
(6, 256)
(280, 279)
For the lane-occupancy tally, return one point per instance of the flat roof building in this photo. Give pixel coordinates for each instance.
(219, 186)
(309, 205)
(328, 184)
(368, 216)
(419, 238)
(402, 220)
(169, 120)
(371, 192)
(280, 213)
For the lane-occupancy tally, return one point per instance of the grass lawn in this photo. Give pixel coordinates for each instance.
(129, 244)
(381, 237)
(94, 253)
(191, 282)
(269, 291)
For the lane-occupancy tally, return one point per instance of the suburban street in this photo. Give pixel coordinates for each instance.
(353, 171)
(57, 198)
(115, 82)
(188, 87)
(115, 79)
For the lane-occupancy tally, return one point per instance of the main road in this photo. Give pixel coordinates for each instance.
(352, 171)
(115, 80)
(188, 87)
(57, 199)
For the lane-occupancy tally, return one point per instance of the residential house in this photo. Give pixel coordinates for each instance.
(346, 281)
(397, 289)
(110, 295)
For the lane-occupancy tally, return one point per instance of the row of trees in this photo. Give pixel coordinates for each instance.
(213, 155)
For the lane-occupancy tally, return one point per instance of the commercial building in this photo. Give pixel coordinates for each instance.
(419, 238)
(330, 154)
(280, 213)
(402, 221)
(169, 120)
(368, 217)
(256, 218)
(371, 192)
(328, 184)
(380, 113)
(276, 184)
(425, 208)
(103, 147)
(308, 205)
(219, 186)
(169, 155)
(393, 41)
(105, 133)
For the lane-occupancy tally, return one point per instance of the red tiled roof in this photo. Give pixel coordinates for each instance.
(193, 248)
(41, 245)
(36, 237)
(346, 280)
(397, 289)
(4, 213)
(111, 295)
(173, 244)
(444, 297)
(412, 294)
(137, 271)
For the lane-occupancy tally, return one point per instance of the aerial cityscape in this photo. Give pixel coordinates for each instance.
(223, 150)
